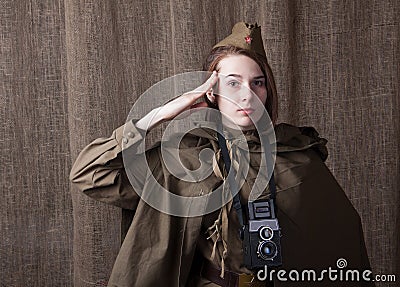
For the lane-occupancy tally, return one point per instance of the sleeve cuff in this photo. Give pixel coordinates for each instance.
(128, 134)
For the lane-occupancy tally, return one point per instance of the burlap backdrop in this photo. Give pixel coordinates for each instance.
(70, 71)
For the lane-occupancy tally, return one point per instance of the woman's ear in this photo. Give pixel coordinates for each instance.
(211, 100)
(210, 96)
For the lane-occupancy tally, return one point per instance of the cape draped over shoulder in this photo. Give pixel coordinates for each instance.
(318, 222)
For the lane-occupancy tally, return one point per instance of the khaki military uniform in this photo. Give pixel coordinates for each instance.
(319, 224)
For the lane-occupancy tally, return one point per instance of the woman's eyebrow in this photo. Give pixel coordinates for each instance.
(239, 76)
(259, 77)
(234, 75)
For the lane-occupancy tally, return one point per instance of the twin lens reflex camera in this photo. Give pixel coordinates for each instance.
(261, 236)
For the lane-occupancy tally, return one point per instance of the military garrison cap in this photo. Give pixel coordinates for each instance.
(245, 36)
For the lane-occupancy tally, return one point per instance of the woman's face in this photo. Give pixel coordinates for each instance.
(241, 91)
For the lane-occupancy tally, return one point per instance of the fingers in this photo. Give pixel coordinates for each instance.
(186, 101)
(204, 88)
(199, 105)
(211, 81)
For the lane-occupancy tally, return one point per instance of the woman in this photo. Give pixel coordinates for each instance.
(318, 223)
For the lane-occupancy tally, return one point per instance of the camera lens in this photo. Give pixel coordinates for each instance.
(266, 233)
(267, 250)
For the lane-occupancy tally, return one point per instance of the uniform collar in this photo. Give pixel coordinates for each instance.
(287, 137)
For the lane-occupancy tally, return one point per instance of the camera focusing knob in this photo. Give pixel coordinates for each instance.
(266, 233)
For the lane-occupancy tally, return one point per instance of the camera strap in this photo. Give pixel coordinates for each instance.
(231, 174)
(231, 177)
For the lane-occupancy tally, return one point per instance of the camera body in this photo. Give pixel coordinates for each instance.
(261, 236)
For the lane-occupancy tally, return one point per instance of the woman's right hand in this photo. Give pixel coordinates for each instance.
(175, 107)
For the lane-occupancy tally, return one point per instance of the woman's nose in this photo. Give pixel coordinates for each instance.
(245, 93)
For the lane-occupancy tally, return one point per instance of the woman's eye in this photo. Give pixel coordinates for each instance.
(258, 83)
(233, 83)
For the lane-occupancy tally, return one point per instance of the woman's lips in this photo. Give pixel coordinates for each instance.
(246, 111)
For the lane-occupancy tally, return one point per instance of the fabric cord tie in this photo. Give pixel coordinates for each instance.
(220, 230)
(221, 225)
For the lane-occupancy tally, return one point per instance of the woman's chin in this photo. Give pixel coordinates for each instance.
(242, 123)
(247, 123)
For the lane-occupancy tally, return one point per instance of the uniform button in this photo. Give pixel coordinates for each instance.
(131, 135)
(125, 140)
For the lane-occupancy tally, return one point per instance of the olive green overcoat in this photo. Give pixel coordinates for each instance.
(318, 222)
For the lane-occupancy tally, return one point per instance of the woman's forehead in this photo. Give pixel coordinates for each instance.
(240, 65)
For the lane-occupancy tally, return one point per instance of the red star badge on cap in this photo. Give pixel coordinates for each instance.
(248, 39)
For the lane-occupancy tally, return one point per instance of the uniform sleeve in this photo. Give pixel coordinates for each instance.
(99, 170)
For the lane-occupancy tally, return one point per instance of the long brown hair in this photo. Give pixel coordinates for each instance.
(218, 53)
